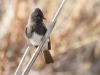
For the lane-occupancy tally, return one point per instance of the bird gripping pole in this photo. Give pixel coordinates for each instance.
(38, 50)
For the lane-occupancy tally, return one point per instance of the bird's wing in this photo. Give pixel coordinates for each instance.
(29, 30)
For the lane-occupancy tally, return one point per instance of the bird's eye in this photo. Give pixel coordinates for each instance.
(37, 15)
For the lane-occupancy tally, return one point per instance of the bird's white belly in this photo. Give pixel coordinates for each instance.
(35, 39)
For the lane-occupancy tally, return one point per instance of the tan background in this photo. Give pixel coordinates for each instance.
(75, 38)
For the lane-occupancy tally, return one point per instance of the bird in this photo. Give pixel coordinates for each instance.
(35, 30)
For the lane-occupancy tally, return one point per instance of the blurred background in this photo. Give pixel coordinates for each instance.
(75, 38)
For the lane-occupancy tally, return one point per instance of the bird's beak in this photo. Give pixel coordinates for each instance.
(43, 18)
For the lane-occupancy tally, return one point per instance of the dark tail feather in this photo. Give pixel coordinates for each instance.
(48, 57)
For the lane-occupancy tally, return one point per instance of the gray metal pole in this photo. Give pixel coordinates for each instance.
(38, 50)
(22, 61)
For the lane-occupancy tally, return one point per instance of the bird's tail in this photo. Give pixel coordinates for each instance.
(48, 57)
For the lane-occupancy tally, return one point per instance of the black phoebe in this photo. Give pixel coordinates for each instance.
(35, 30)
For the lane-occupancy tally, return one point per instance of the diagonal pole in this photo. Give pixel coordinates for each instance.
(38, 50)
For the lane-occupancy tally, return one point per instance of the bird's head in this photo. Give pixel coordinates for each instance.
(37, 15)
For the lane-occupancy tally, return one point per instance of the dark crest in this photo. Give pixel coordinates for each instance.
(37, 15)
